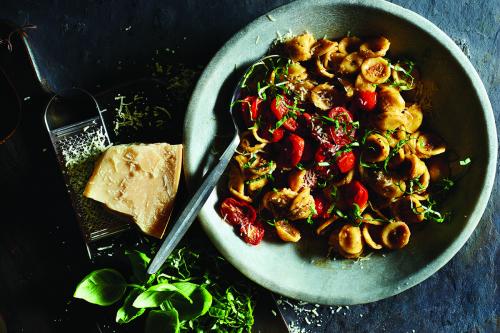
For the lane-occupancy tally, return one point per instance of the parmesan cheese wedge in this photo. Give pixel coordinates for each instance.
(139, 181)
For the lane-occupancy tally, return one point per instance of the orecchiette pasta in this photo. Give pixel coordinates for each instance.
(333, 141)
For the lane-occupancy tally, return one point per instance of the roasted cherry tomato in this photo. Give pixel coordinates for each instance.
(365, 100)
(250, 109)
(308, 152)
(292, 150)
(280, 108)
(354, 193)
(252, 233)
(237, 212)
(324, 152)
(344, 132)
(346, 161)
(275, 136)
(321, 205)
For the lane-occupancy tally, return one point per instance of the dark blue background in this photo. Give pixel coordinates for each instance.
(97, 44)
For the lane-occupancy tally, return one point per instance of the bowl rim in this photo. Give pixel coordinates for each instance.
(442, 38)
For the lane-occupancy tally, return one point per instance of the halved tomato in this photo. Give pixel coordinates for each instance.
(292, 150)
(346, 161)
(344, 132)
(354, 193)
(250, 109)
(286, 231)
(280, 106)
(365, 100)
(237, 212)
(252, 233)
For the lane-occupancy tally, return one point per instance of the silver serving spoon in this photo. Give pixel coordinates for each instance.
(199, 198)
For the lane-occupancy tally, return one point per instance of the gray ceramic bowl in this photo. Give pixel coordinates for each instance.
(462, 115)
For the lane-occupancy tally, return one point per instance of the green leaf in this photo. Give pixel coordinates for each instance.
(186, 288)
(102, 287)
(158, 294)
(163, 321)
(201, 302)
(127, 312)
(465, 162)
(139, 262)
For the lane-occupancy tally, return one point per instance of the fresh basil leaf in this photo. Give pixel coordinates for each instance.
(163, 321)
(102, 287)
(139, 262)
(201, 302)
(127, 312)
(158, 294)
(186, 289)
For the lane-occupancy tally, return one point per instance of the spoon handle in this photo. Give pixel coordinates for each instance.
(193, 207)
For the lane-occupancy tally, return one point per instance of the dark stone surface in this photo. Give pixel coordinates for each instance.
(98, 44)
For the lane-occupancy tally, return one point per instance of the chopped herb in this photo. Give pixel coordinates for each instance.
(465, 162)
(300, 166)
(249, 163)
(313, 210)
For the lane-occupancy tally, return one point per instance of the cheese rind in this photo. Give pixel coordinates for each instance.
(139, 181)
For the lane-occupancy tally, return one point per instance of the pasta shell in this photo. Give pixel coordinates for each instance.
(299, 48)
(296, 179)
(368, 219)
(412, 167)
(323, 226)
(388, 120)
(376, 148)
(376, 70)
(423, 182)
(333, 60)
(375, 47)
(321, 69)
(278, 202)
(390, 100)
(287, 232)
(395, 235)
(237, 184)
(302, 205)
(255, 133)
(386, 185)
(396, 135)
(244, 162)
(324, 46)
(302, 89)
(366, 228)
(351, 64)
(429, 145)
(397, 159)
(248, 144)
(363, 85)
(348, 87)
(349, 44)
(414, 117)
(256, 182)
(262, 167)
(296, 72)
(322, 96)
(350, 241)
